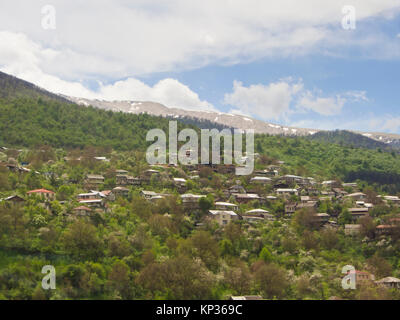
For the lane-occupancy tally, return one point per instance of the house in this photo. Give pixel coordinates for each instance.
(352, 229)
(392, 199)
(339, 193)
(322, 218)
(358, 196)
(148, 194)
(273, 167)
(389, 282)
(331, 224)
(273, 173)
(384, 229)
(309, 181)
(362, 277)
(94, 180)
(329, 194)
(261, 180)
(133, 181)
(262, 173)
(90, 195)
(47, 194)
(150, 172)
(309, 204)
(290, 208)
(226, 206)
(236, 189)
(246, 197)
(191, 201)
(287, 192)
(179, 182)
(357, 213)
(82, 211)
(223, 217)
(120, 191)
(102, 159)
(305, 199)
(261, 213)
(121, 179)
(92, 203)
(14, 199)
(349, 185)
(291, 178)
(311, 190)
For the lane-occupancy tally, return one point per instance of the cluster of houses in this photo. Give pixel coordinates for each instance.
(297, 193)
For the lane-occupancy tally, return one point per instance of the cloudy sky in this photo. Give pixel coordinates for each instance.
(302, 63)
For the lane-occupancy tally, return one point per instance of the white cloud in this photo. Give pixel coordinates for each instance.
(325, 106)
(278, 100)
(357, 96)
(118, 39)
(170, 92)
(329, 106)
(265, 101)
(24, 57)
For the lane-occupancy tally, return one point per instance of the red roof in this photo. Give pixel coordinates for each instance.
(384, 226)
(83, 208)
(40, 191)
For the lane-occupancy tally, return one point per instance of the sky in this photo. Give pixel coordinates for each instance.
(328, 64)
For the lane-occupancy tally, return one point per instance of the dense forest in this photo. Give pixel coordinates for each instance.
(350, 139)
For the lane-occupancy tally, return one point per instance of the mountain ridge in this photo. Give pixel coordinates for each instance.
(224, 119)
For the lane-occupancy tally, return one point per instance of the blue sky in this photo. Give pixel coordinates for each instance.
(288, 62)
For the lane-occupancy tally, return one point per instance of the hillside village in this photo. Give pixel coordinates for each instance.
(46, 190)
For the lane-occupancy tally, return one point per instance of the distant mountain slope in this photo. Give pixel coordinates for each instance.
(12, 87)
(348, 138)
(220, 118)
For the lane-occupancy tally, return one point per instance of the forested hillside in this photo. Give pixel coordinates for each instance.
(331, 160)
(350, 139)
(29, 122)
